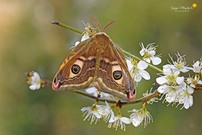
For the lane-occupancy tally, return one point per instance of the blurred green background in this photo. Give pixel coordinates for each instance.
(28, 41)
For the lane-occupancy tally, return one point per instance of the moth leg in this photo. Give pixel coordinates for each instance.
(99, 95)
(119, 104)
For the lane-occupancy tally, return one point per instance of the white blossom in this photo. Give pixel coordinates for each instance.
(173, 93)
(179, 64)
(171, 96)
(137, 70)
(149, 53)
(91, 113)
(34, 80)
(186, 97)
(171, 77)
(106, 111)
(197, 67)
(193, 82)
(167, 88)
(138, 116)
(118, 121)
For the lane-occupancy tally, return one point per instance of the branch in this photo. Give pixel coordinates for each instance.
(140, 100)
(198, 87)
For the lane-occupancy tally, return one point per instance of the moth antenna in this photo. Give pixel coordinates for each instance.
(86, 25)
(108, 26)
(94, 21)
(83, 23)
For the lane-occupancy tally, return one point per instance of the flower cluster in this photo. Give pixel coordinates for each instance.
(106, 112)
(176, 88)
(138, 68)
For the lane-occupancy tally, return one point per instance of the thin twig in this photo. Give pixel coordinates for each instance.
(137, 58)
(67, 27)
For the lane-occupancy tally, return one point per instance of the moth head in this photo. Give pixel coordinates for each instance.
(129, 86)
(131, 94)
(121, 77)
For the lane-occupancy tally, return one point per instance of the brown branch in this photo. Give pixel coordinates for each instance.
(198, 87)
(139, 100)
(46, 83)
(144, 99)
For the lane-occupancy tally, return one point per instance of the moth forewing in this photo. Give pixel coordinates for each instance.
(66, 78)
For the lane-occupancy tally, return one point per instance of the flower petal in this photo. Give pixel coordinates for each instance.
(147, 60)
(163, 89)
(129, 64)
(184, 70)
(161, 80)
(84, 37)
(142, 51)
(199, 82)
(145, 74)
(171, 97)
(34, 86)
(113, 119)
(156, 60)
(137, 77)
(180, 80)
(142, 65)
(125, 120)
(188, 103)
(152, 52)
(97, 114)
(76, 43)
(167, 69)
(91, 90)
(190, 90)
(36, 76)
(136, 122)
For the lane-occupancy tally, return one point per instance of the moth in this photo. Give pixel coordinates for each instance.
(96, 62)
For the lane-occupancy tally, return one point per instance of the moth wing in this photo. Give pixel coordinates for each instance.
(113, 63)
(78, 69)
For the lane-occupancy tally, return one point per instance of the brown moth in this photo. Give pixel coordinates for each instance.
(96, 62)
